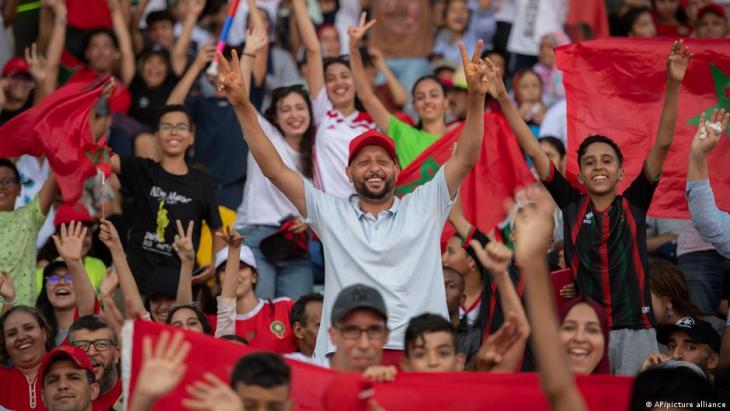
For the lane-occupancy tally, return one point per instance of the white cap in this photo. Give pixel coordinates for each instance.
(246, 256)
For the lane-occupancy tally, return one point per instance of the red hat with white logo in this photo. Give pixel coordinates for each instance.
(372, 138)
(67, 352)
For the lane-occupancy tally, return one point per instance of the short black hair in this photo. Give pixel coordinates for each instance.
(5, 162)
(329, 61)
(234, 338)
(263, 369)
(555, 142)
(679, 384)
(597, 138)
(429, 77)
(95, 32)
(626, 22)
(202, 318)
(158, 16)
(427, 323)
(296, 315)
(174, 108)
(91, 322)
(458, 274)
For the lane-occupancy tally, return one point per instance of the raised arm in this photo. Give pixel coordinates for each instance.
(261, 53)
(181, 90)
(397, 91)
(527, 140)
(109, 236)
(469, 145)
(226, 312)
(256, 39)
(676, 68)
(315, 69)
(457, 219)
(372, 103)
(119, 24)
(56, 43)
(288, 181)
(137, 38)
(48, 193)
(69, 246)
(535, 221)
(179, 56)
(38, 67)
(183, 246)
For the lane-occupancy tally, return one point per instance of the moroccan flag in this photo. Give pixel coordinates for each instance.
(312, 386)
(59, 128)
(500, 170)
(615, 87)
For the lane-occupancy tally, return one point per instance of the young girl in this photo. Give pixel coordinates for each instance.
(460, 27)
(527, 86)
(552, 78)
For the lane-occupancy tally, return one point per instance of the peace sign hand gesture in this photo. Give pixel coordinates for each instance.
(357, 33)
(475, 69)
(183, 244)
(231, 82)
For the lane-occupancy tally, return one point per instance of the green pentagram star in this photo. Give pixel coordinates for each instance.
(722, 91)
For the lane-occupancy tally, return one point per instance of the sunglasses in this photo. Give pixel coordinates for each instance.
(56, 278)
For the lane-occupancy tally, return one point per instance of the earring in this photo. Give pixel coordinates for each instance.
(669, 312)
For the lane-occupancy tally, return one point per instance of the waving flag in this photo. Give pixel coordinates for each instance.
(615, 87)
(59, 128)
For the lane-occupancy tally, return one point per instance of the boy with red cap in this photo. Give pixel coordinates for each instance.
(374, 238)
(67, 380)
(712, 22)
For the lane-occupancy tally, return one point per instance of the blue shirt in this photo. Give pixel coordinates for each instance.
(712, 223)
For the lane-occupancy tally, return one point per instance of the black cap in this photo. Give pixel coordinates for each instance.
(155, 49)
(58, 262)
(163, 281)
(697, 329)
(357, 296)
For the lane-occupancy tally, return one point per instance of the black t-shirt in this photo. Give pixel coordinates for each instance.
(146, 102)
(159, 199)
(5, 116)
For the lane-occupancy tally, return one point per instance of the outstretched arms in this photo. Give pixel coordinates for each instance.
(315, 70)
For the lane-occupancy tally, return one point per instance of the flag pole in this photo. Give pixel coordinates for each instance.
(213, 69)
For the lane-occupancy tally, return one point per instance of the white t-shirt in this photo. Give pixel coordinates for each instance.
(505, 11)
(534, 19)
(332, 145)
(238, 28)
(555, 122)
(263, 203)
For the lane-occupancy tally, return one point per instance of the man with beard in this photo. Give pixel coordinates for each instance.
(93, 335)
(374, 238)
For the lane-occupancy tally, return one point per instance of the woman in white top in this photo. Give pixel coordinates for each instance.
(335, 111)
(288, 124)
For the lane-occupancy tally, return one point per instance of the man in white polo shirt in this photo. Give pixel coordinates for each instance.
(375, 238)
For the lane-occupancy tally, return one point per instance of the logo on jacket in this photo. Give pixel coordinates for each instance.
(278, 329)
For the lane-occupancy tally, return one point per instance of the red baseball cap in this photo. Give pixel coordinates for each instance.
(15, 65)
(75, 354)
(371, 138)
(67, 213)
(712, 8)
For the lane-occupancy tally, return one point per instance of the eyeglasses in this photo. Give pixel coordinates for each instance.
(353, 332)
(102, 344)
(56, 278)
(182, 128)
(8, 182)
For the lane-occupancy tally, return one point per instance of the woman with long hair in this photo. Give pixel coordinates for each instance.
(584, 333)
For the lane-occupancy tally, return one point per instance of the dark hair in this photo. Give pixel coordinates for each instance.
(597, 138)
(517, 77)
(91, 322)
(296, 315)
(446, 12)
(306, 147)
(234, 338)
(329, 61)
(367, 59)
(202, 318)
(667, 280)
(555, 142)
(263, 369)
(679, 384)
(458, 274)
(627, 21)
(43, 304)
(444, 89)
(680, 14)
(174, 108)
(95, 32)
(158, 16)
(424, 324)
(45, 327)
(5, 162)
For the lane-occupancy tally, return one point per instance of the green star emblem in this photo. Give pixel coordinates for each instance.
(722, 91)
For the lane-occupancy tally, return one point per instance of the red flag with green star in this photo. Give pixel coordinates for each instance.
(500, 171)
(615, 87)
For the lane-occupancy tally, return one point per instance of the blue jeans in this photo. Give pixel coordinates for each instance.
(291, 278)
(704, 272)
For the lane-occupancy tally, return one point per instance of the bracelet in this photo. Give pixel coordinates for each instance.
(249, 55)
(9, 302)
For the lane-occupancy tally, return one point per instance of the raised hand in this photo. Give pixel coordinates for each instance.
(212, 394)
(183, 243)
(36, 62)
(708, 135)
(376, 56)
(230, 80)
(205, 55)
(58, 7)
(163, 366)
(357, 33)
(380, 373)
(534, 224)
(71, 242)
(232, 237)
(498, 344)
(7, 289)
(678, 61)
(496, 83)
(196, 7)
(109, 236)
(495, 257)
(475, 70)
(109, 283)
(654, 359)
(256, 39)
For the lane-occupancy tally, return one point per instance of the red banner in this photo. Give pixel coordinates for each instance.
(615, 87)
(410, 391)
(500, 171)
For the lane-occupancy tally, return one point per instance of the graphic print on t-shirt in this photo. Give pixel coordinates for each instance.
(155, 242)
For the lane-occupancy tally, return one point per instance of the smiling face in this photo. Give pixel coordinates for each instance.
(292, 115)
(154, 70)
(186, 319)
(160, 306)
(9, 189)
(712, 26)
(330, 40)
(60, 289)
(19, 86)
(582, 338)
(600, 170)
(643, 26)
(104, 361)
(373, 173)
(161, 32)
(457, 16)
(66, 387)
(175, 134)
(246, 279)
(429, 100)
(101, 53)
(340, 88)
(25, 340)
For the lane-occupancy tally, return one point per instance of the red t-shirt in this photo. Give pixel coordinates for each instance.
(120, 99)
(267, 326)
(107, 400)
(88, 14)
(17, 393)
